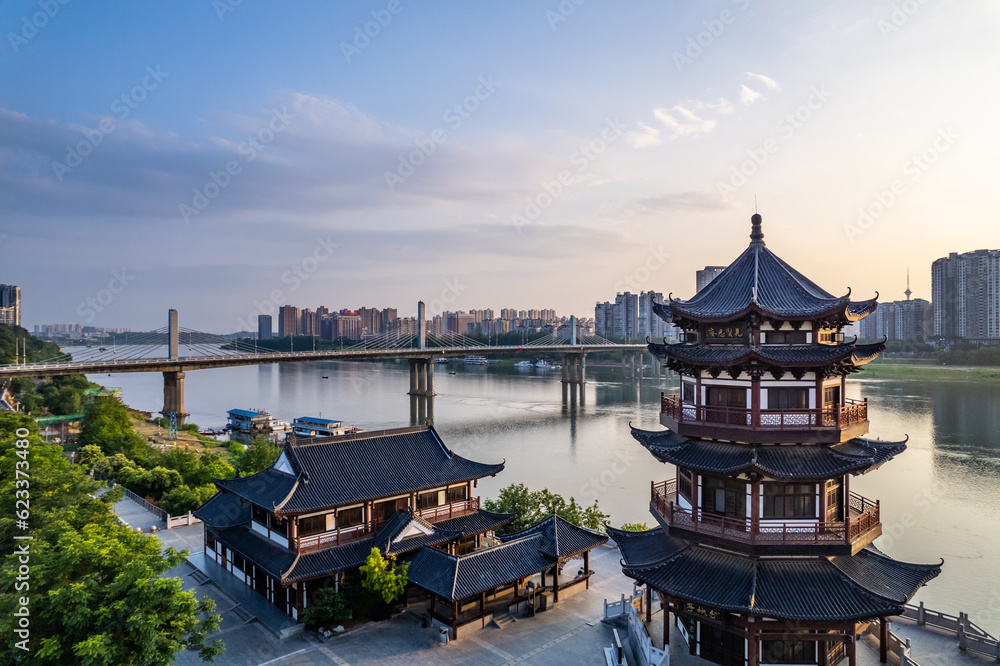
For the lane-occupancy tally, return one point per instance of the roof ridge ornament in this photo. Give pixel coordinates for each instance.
(757, 233)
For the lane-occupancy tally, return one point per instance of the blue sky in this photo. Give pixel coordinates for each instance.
(271, 154)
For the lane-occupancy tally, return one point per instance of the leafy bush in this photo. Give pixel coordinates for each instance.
(325, 607)
(635, 527)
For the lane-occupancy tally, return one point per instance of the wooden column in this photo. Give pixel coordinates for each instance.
(482, 601)
(883, 640)
(649, 603)
(454, 619)
(586, 568)
(754, 509)
(755, 401)
(753, 650)
(666, 625)
(542, 587)
(852, 648)
(693, 639)
(555, 582)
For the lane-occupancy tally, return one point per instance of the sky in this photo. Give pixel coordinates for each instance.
(225, 158)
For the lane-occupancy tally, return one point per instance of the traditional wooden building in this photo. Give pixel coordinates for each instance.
(317, 512)
(764, 554)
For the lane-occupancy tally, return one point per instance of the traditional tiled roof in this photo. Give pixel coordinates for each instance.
(867, 585)
(855, 456)
(477, 522)
(644, 548)
(458, 577)
(336, 471)
(759, 281)
(776, 355)
(289, 567)
(561, 538)
(224, 510)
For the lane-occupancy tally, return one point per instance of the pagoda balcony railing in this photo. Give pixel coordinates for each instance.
(864, 516)
(855, 411)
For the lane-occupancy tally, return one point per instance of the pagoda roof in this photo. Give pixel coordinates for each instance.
(842, 588)
(326, 472)
(759, 281)
(455, 577)
(561, 538)
(778, 461)
(224, 510)
(808, 355)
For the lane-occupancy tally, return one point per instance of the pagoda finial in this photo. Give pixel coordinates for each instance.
(757, 234)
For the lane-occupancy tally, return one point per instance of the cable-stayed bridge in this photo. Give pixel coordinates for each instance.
(174, 350)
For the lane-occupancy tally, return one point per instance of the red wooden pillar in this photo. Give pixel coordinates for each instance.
(883, 640)
(586, 568)
(555, 582)
(852, 648)
(649, 604)
(755, 402)
(754, 509)
(454, 619)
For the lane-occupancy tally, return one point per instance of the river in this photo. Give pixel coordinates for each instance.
(940, 499)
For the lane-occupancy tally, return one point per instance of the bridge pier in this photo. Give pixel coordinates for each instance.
(574, 368)
(173, 395)
(422, 376)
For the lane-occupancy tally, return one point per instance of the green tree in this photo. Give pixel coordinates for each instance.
(260, 454)
(382, 576)
(107, 424)
(635, 527)
(532, 507)
(97, 595)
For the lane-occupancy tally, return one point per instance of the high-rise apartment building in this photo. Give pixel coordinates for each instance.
(966, 295)
(706, 275)
(264, 330)
(10, 305)
(288, 320)
(626, 315)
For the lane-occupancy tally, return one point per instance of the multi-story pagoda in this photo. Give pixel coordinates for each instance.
(764, 555)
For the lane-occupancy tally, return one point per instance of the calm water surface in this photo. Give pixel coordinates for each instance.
(940, 499)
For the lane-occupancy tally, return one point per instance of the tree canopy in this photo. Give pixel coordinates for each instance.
(96, 592)
(532, 507)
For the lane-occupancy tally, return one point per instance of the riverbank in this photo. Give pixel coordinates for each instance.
(938, 373)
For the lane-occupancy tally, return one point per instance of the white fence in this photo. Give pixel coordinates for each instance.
(171, 521)
(970, 635)
(642, 644)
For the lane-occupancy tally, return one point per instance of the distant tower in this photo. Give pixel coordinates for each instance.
(907, 292)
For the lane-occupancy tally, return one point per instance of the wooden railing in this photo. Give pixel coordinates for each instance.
(453, 510)
(768, 531)
(338, 537)
(855, 411)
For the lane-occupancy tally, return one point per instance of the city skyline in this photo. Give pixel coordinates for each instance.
(288, 151)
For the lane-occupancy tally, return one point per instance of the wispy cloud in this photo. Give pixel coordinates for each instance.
(643, 137)
(768, 82)
(748, 96)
